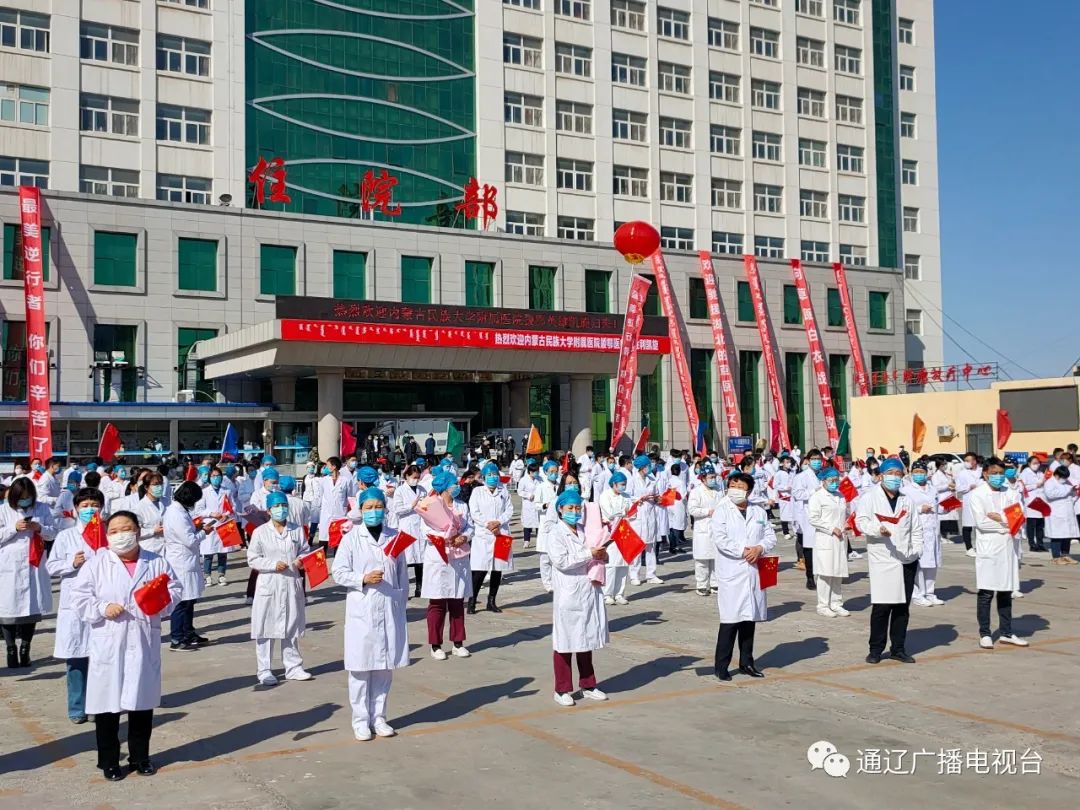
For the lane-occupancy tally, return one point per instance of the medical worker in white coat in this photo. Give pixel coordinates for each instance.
(151, 513)
(587, 467)
(336, 487)
(782, 484)
(544, 501)
(1061, 526)
(968, 477)
(579, 616)
(212, 506)
(25, 592)
(526, 490)
(182, 550)
(827, 515)
(643, 488)
(677, 511)
(408, 521)
(448, 584)
(613, 507)
(701, 504)
(923, 496)
(277, 609)
(376, 642)
(490, 510)
(894, 544)
(1032, 481)
(803, 486)
(742, 534)
(125, 644)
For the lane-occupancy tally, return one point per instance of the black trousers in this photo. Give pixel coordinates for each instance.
(808, 558)
(725, 645)
(478, 580)
(1035, 528)
(891, 621)
(527, 534)
(107, 726)
(1004, 611)
(798, 546)
(966, 532)
(22, 632)
(418, 572)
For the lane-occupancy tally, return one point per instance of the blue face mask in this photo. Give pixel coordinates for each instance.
(279, 513)
(491, 480)
(325, 470)
(1010, 474)
(272, 486)
(832, 485)
(373, 517)
(997, 480)
(714, 484)
(252, 474)
(571, 518)
(619, 489)
(611, 466)
(891, 482)
(25, 503)
(215, 481)
(122, 474)
(455, 490)
(72, 487)
(86, 513)
(39, 468)
(352, 465)
(919, 478)
(572, 488)
(553, 477)
(156, 490)
(815, 464)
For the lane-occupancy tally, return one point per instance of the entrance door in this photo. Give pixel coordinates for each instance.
(980, 439)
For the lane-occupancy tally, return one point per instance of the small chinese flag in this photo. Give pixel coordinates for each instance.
(564, 464)
(338, 529)
(891, 518)
(36, 551)
(767, 569)
(109, 443)
(848, 490)
(503, 544)
(632, 511)
(951, 504)
(883, 451)
(504, 479)
(628, 541)
(36, 475)
(851, 525)
(226, 505)
(1040, 506)
(440, 546)
(229, 534)
(153, 597)
(1014, 514)
(669, 498)
(400, 542)
(94, 533)
(315, 567)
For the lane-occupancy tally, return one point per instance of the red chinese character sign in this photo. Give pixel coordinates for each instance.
(479, 202)
(376, 193)
(723, 362)
(272, 172)
(627, 374)
(817, 354)
(779, 438)
(37, 352)
(938, 374)
(861, 387)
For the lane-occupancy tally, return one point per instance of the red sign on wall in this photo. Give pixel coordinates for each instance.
(479, 202)
(37, 352)
(274, 173)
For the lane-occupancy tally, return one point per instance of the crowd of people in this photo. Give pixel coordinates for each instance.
(430, 530)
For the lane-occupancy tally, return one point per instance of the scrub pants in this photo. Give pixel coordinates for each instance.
(650, 563)
(705, 574)
(76, 687)
(924, 583)
(290, 656)
(615, 580)
(368, 691)
(829, 592)
(564, 673)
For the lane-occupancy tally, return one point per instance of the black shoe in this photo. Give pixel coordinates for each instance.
(723, 676)
(12, 658)
(114, 773)
(873, 658)
(1041, 547)
(810, 586)
(752, 671)
(145, 768)
(1032, 547)
(493, 607)
(195, 638)
(185, 646)
(24, 655)
(471, 609)
(900, 655)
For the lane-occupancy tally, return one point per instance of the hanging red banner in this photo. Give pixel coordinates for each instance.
(862, 381)
(37, 351)
(817, 356)
(627, 374)
(761, 315)
(678, 348)
(723, 361)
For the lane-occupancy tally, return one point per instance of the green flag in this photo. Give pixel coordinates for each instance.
(455, 441)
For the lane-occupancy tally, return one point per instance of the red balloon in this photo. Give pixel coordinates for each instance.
(636, 241)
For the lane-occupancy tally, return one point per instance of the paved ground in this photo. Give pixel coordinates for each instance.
(485, 731)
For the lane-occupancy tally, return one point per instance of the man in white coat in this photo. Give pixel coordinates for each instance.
(586, 470)
(969, 477)
(827, 515)
(701, 504)
(894, 543)
(643, 489)
(376, 642)
(181, 549)
(490, 510)
(803, 485)
(923, 496)
(997, 566)
(1032, 481)
(742, 534)
(526, 490)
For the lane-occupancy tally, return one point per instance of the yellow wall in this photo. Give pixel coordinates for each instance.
(885, 421)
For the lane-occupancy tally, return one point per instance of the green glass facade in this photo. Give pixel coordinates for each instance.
(479, 284)
(652, 404)
(350, 275)
(338, 89)
(114, 258)
(885, 125)
(197, 260)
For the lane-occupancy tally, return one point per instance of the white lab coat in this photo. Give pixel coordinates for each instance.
(886, 555)
(334, 500)
(245, 488)
(803, 486)
(125, 652)
(312, 495)
(600, 482)
(997, 561)
(966, 481)
(1033, 482)
(739, 594)
(613, 506)
(517, 470)
(526, 490)
(408, 521)
(701, 503)
(1060, 495)
(451, 579)
(181, 546)
(824, 512)
(1074, 479)
(48, 489)
(644, 520)
(586, 471)
(278, 608)
(299, 513)
(782, 484)
(920, 496)
(579, 616)
(375, 635)
(151, 514)
(24, 589)
(677, 511)
(72, 633)
(212, 502)
(544, 502)
(485, 506)
(64, 511)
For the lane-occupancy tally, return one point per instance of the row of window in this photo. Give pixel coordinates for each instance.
(107, 180)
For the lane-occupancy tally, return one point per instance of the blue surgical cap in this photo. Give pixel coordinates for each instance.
(550, 465)
(891, 465)
(828, 472)
(277, 499)
(641, 462)
(367, 475)
(617, 477)
(287, 483)
(491, 468)
(268, 460)
(443, 481)
(371, 494)
(270, 474)
(569, 497)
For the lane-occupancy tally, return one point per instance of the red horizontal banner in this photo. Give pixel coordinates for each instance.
(457, 338)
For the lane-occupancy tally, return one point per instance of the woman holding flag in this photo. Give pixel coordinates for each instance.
(490, 510)
(613, 507)
(215, 505)
(826, 514)
(25, 594)
(447, 579)
(182, 543)
(923, 497)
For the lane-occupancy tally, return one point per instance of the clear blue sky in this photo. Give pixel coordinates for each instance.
(1008, 102)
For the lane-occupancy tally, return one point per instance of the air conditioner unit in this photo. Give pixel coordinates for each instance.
(185, 395)
(945, 432)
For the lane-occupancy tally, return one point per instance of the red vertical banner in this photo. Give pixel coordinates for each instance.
(723, 360)
(37, 351)
(627, 374)
(817, 356)
(862, 380)
(761, 315)
(678, 348)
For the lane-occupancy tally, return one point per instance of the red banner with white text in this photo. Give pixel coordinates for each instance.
(723, 360)
(37, 350)
(862, 381)
(678, 348)
(761, 315)
(627, 374)
(817, 356)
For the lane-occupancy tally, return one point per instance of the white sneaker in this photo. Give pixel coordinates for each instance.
(921, 601)
(970, 552)
(438, 655)
(249, 600)
(461, 652)
(854, 555)
(268, 679)
(986, 643)
(564, 699)
(828, 613)
(362, 733)
(635, 582)
(302, 675)
(1017, 595)
(839, 611)
(209, 580)
(383, 729)
(934, 600)
(621, 600)
(221, 580)
(593, 694)
(655, 581)
(609, 600)
(1014, 639)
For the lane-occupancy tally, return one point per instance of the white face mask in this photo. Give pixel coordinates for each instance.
(737, 496)
(123, 542)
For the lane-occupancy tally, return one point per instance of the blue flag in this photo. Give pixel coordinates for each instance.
(230, 445)
(699, 445)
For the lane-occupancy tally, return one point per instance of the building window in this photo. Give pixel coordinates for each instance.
(907, 125)
(103, 180)
(107, 43)
(578, 9)
(849, 158)
(24, 172)
(911, 220)
(191, 377)
(847, 12)
(765, 146)
(203, 4)
(769, 247)
(811, 8)
(673, 24)
(652, 298)
(905, 31)
(523, 109)
(912, 267)
(597, 291)
(813, 204)
(479, 284)
(723, 34)
(768, 199)
(525, 223)
(277, 270)
(183, 55)
(811, 103)
(879, 370)
(725, 140)
(810, 52)
(197, 261)
(541, 287)
(699, 305)
(909, 172)
(749, 363)
(630, 181)
(627, 69)
(118, 116)
(907, 78)
(673, 78)
(628, 14)
(852, 208)
(415, 279)
(675, 132)
(764, 95)
(629, 126)
(853, 255)
(848, 60)
(726, 193)
(745, 302)
(764, 42)
(812, 153)
(532, 4)
(838, 392)
(24, 30)
(724, 87)
(14, 269)
(676, 187)
(350, 275)
(913, 322)
(849, 110)
(575, 175)
(20, 103)
(578, 228)
(521, 50)
(573, 116)
(183, 124)
(727, 242)
(178, 188)
(525, 169)
(794, 363)
(112, 340)
(834, 307)
(792, 310)
(879, 309)
(769, 3)
(115, 258)
(677, 238)
(652, 404)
